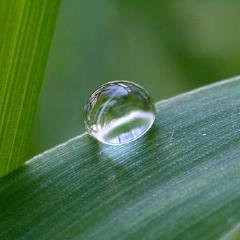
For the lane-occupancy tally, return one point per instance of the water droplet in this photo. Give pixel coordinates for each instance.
(119, 112)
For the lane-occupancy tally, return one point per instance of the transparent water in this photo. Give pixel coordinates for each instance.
(119, 112)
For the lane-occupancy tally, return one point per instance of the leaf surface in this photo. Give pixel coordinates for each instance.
(179, 181)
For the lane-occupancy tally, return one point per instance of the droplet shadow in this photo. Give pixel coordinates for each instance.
(131, 155)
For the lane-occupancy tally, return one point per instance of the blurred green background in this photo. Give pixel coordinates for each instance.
(166, 46)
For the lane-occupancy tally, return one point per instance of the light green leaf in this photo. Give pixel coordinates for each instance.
(25, 35)
(180, 181)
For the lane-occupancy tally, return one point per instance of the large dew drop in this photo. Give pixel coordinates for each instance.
(119, 112)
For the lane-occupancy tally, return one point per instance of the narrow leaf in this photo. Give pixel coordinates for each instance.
(25, 36)
(180, 181)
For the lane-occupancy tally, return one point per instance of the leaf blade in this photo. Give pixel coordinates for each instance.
(180, 181)
(26, 30)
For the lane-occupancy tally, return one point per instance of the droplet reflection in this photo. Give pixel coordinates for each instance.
(119, 112)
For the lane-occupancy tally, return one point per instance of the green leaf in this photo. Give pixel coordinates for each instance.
(179, 181)
(25, 35)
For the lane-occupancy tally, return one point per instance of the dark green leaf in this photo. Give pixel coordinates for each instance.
(180, 181)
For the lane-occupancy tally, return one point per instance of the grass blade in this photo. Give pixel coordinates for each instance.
(180, 181)
(25, 36)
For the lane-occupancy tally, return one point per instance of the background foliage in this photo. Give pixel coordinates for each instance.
(166, 46)
(26, 29)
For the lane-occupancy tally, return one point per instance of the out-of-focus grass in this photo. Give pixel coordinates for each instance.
(166, 46)
(26, 29)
